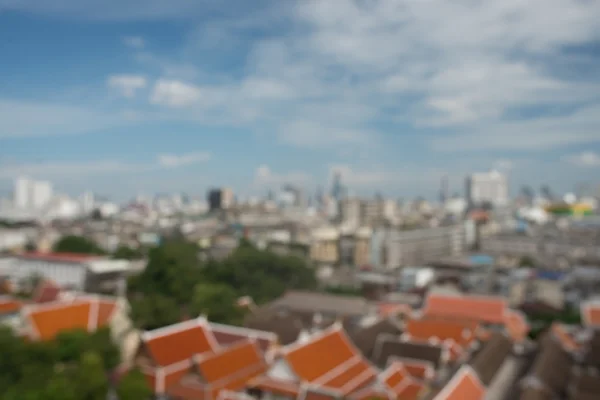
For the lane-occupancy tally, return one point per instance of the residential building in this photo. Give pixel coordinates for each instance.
(418, 246)
(350, 211)
(487, 188)
(69, 271)
(324, 245)
(362, 246)
(31, 194)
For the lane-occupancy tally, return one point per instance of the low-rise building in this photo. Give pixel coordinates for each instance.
(69, 271)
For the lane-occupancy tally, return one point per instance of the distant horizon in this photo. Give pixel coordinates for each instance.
(119, 98)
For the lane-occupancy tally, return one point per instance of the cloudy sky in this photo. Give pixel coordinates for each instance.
(127, 96)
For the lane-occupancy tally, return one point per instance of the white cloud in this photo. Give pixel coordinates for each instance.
(65, 169)
(126, 85)
(173, 93)
(25, 118)
(311, 134)
(265, 177)
(584, 159)
(135, 42)
(463, 68)
(533, 135)
(178, 160)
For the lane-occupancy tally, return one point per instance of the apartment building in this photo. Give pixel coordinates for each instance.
(418, 246)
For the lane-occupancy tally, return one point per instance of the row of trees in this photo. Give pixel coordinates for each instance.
(176, 285)
(75, 366)
(81, 245)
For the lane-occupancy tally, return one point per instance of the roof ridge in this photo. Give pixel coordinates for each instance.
(358, 380)
(93, 315)
(222, 350)
(239, 373)
(336, 371)
(313, 337)
(265, 334)
(173, 328)
(464, 370)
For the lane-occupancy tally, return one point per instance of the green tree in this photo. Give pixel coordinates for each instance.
(127, 253)
(133, 386)
(260, 274)
(218, 302)
(173, 270)
(154, 311)
(71, 344)
(77, 244)
(89, 378)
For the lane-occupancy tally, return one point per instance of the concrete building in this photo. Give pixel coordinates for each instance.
(324, 245)
(31, 194)
(220, 199)
(487, 187)
(362, 246)
(350, 211)
(68, 271)
(418, 246)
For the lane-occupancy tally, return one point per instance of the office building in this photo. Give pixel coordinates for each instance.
(30, 194)
(220, 199)
(487, 188)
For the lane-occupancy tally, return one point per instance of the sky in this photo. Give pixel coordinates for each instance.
(123, 97)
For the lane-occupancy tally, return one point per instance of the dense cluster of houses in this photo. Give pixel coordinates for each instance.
(315, 347)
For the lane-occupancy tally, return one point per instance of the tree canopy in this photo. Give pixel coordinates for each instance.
(77, 244)
(176, 284)
(133, 386)
(127, 253)
(72, 367)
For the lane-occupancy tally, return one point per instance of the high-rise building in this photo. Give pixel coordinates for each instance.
(220, 199)
(338, 191)
(31, 194)
(21, 193)
(444, 189)
(487, 187)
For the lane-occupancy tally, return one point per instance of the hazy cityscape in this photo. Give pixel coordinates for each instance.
(299, 200)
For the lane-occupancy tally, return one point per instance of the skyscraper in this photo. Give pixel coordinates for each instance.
(444, 189)
(487, 187)
(338, 191)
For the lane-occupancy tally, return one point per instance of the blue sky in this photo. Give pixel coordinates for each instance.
(131, 96)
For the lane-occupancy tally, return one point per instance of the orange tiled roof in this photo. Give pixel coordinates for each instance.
(460, 332)
(49, 319)
(243, 359)
(308, 360)
(419, 370)
(477, 308)
(60, 257)
(464, 385)
(227, 335)
(179, 342)
(329, 360)
(8, 305)
(411, 390)
(388, 309)
(400, 382)
(516, 325)
(561, 333)
(590, 313)
(46, 292)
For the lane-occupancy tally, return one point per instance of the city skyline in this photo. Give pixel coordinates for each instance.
(120, 98)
